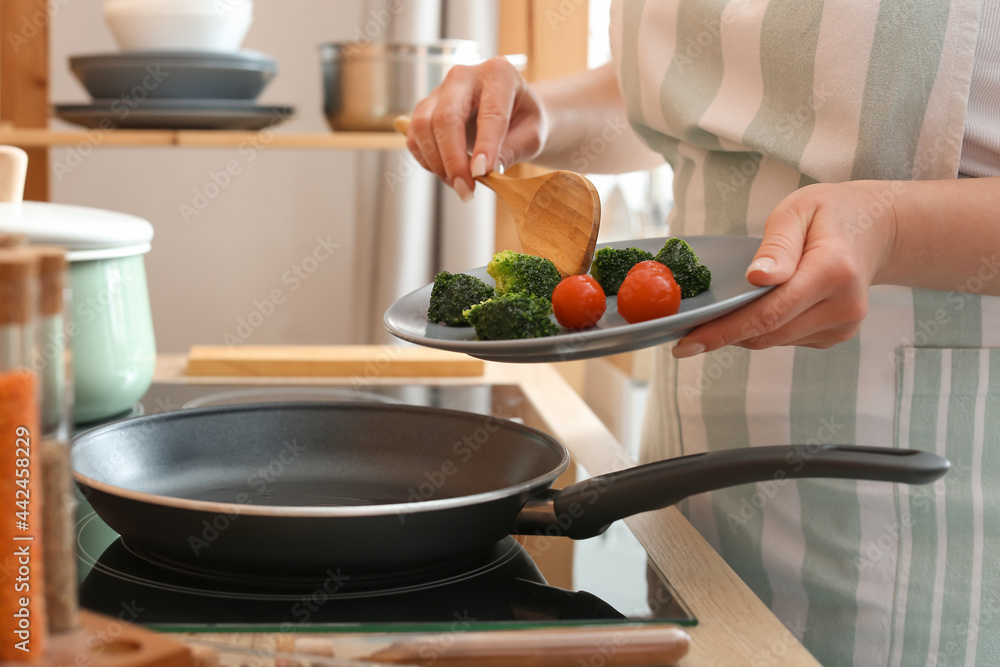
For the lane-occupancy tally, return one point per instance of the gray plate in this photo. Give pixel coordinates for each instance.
(140, 75)
(174, 115)
(726, 256)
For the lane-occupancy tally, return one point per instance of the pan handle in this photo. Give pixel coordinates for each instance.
(587, 508)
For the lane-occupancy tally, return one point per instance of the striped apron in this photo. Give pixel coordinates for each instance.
(749, 100)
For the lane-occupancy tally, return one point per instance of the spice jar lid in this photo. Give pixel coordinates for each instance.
(18, 271)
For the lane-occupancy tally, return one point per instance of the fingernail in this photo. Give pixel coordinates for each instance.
(479, 165)
(683, 350)
(764, 265)
(464, 193)
(498, 167)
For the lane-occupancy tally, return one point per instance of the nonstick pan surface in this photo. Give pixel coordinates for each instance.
(361, 488)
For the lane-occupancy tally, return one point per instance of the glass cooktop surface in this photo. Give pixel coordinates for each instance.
(507, 586)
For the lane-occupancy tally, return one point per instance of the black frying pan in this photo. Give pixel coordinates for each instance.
(311, 487)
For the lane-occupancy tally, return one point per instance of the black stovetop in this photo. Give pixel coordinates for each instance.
(501, 588)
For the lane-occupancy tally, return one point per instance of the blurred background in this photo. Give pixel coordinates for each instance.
(216, 260)
(309, 246)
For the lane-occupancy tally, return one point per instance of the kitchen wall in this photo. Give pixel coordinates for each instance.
(276, 239)
(283, 252)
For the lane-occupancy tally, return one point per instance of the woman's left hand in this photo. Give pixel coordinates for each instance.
(823, 246)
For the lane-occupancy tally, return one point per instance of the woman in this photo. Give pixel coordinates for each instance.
(838, 131)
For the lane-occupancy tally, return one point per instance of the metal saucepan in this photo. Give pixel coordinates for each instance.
(366, 85)
(309, 487)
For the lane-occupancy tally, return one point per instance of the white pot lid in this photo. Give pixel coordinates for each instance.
(90, 233)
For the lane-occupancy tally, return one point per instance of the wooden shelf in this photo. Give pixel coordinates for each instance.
(45, 138)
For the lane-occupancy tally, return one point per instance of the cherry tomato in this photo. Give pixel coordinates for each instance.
(651, 265)
(578, 301)
(647, 295)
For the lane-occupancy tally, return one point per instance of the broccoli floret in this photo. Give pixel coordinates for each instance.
(517, 272)
(691, 276)
(611, 264)
(518, 315)
(453, 294)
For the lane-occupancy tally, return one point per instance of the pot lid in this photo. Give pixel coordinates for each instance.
(75, 227)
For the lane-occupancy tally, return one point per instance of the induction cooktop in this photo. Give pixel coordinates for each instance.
(613, 580)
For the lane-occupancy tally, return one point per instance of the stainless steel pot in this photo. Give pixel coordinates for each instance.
(366, 85)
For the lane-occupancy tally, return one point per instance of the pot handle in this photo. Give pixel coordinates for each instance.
(587, 508)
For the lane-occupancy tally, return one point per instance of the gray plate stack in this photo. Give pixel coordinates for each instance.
(187, 90)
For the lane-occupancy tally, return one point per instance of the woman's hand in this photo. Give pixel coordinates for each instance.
(823, 246)
(487, 106)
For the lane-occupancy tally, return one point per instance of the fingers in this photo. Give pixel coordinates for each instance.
(437, 136)
(754, 321)
(784, 238)
(813, 328)
(501, 86)
(791, 314)
(821, 270)
(523, 141)
(476, 102)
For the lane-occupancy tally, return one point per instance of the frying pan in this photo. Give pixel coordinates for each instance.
(318, 487)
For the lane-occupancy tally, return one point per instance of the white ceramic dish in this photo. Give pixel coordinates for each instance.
(727, 257)
(165, 25)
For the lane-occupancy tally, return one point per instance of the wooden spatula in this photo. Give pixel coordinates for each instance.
(556, 215)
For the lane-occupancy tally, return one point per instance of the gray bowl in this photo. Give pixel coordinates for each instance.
(191, 75)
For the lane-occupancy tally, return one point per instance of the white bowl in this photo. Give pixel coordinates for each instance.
(218, 6)
(152, 25)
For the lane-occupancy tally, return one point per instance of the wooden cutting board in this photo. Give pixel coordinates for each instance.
(356, 361)
(606, 645)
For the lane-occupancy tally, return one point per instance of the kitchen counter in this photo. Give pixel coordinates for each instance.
(734, 626)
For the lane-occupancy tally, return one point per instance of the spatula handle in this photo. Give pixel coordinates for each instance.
(505, 186)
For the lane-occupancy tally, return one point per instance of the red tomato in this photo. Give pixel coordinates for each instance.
(647, 295)
(651, 265)
(578, 301)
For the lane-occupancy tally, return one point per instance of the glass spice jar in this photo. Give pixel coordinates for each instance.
(52, 362)
(23, 624)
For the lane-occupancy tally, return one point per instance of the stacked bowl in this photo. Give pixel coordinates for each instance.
(180, 67)
(197, 25)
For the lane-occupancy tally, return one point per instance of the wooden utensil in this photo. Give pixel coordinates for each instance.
(360, 361)
(556, 215)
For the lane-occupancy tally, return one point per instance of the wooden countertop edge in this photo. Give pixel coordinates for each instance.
(27, 137)
(735, 627)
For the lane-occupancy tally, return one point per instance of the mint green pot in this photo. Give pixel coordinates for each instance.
(111, 331)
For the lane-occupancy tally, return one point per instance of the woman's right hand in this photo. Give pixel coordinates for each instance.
(488, 110)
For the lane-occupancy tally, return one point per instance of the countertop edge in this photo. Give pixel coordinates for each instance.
(734, 627)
